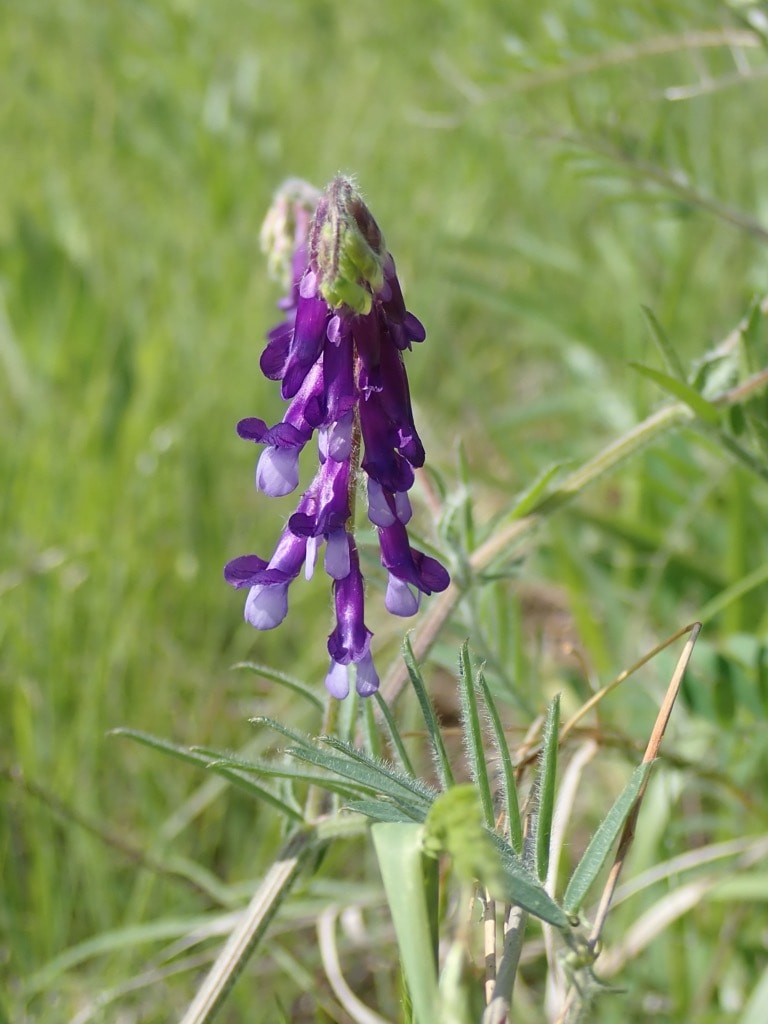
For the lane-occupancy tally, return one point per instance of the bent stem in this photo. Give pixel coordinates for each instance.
(246, 936)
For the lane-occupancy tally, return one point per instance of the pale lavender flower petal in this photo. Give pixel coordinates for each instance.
(379, 511)
(277, 471)
(266, 606)
(337, 680)
(400, 598)
(367, 678)
(337, 560)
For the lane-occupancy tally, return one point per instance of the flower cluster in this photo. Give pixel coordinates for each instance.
(338, 354)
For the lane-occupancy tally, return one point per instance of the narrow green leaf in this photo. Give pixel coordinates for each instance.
(750, 332)
(507, 771)
(680, 389)
(668, 353)
(165, 746)
(241, 781)
(468, 521)
(302, 739)
(122, 940)
(201, 760)
(600, 845)
(439, 753)
(381, 810)
(414, 785)
(523, 890)
(547, 778)
(394, 733)
(297, 687)
(473, 733)
(221, 762)
(732, 593)
(410, 884)
(754, 1011)
(362, 775)
(529, 498)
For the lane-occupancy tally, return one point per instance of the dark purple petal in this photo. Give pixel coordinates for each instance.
(366, 331)
(380, 437)
(274, 356)
(414, 328)
(289, 554)
(408, 564)
(396, 402)
(324, 506)
(306, 344)
(240, 572)
(282, 435)
(351, 639)
(403, 327)
(338, 372)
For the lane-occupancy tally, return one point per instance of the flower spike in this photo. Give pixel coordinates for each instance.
(339, 356)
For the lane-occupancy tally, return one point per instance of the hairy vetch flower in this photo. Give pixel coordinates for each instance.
(339, 356)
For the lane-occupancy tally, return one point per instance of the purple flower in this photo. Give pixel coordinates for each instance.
(339, 356)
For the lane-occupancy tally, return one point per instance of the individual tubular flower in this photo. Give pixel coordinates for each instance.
(339, 357)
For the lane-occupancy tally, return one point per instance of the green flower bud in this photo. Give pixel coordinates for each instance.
(346, 249)
(286, 226)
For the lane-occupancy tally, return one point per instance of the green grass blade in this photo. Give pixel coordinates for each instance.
(410, 884)
(600, 845)
(754, 1011)
(547, 779)
(281, 679)
(509, 786)
(49, 976)
(394, 733)
(668, 353)
(680, 389)
(473, 733)
(373, 743)
(439, 753)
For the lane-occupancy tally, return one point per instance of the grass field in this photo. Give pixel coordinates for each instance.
(541, 173)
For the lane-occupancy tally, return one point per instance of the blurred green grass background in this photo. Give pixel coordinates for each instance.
(538, 178)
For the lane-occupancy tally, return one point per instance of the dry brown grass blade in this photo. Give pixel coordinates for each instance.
(651, 752)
